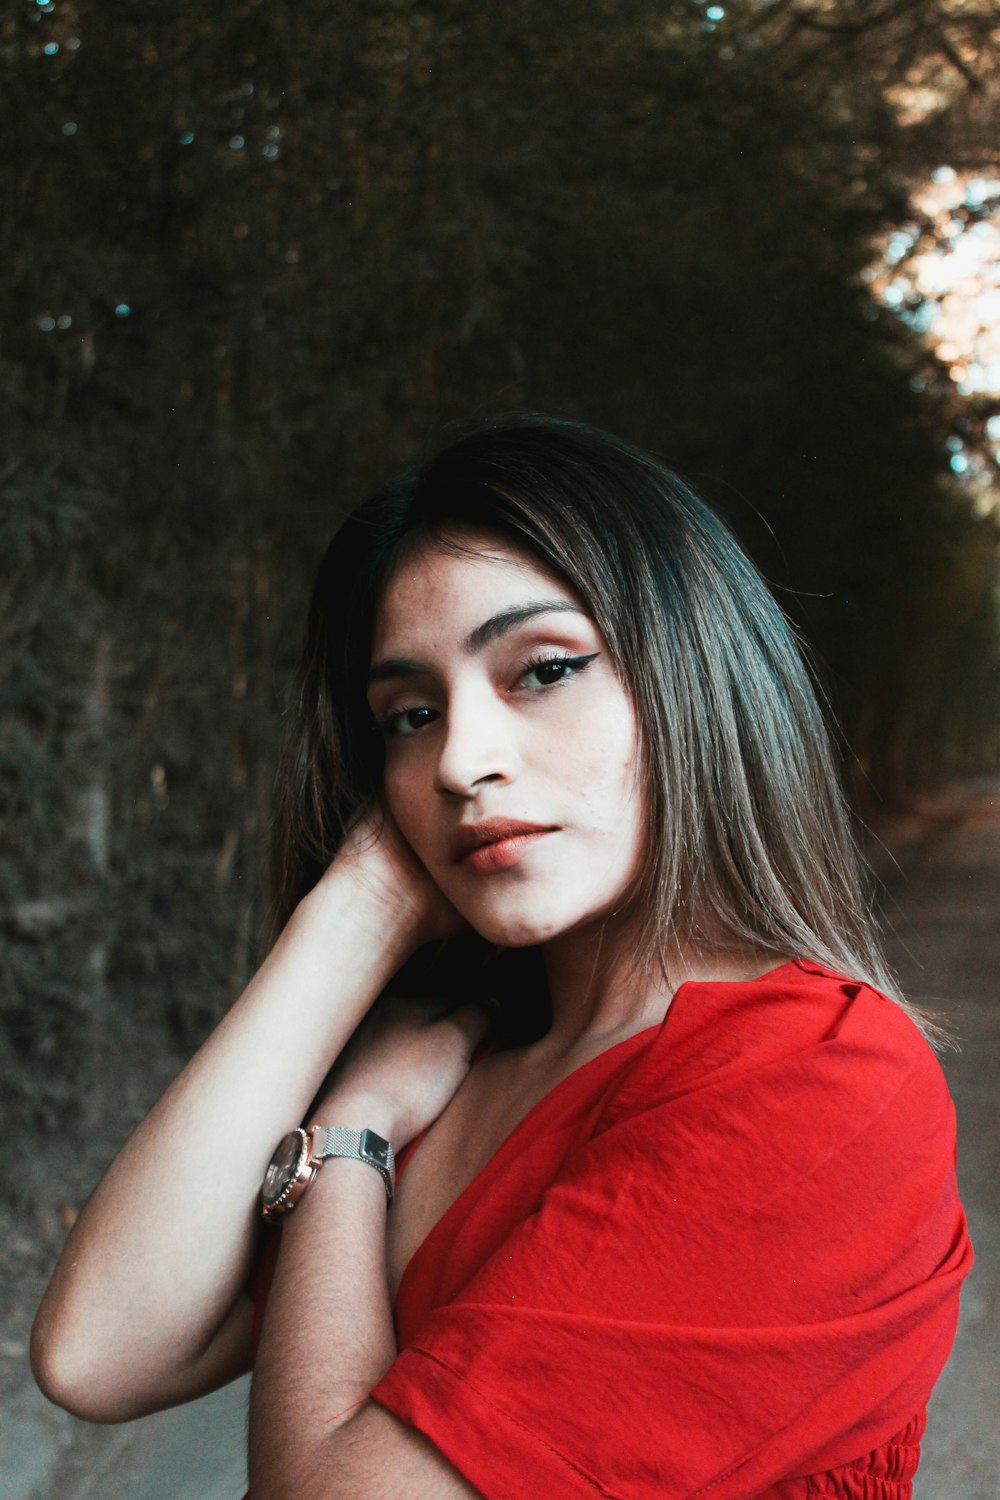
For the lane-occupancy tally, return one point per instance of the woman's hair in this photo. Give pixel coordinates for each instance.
(749, 838)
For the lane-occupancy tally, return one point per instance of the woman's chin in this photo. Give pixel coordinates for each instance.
(513, 926)
(516, 931)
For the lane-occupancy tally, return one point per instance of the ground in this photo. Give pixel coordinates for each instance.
(944, 906)
(947, 951)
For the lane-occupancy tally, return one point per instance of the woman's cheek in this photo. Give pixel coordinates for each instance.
(404, 809)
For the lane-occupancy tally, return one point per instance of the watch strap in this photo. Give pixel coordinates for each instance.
(358, 1145)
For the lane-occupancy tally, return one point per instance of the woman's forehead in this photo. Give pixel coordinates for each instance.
(474, 544)
(460, 574)
(473, 553)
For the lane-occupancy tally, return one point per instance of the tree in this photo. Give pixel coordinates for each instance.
(258, 256)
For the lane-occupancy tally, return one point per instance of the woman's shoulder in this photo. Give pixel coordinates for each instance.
(799, 1003)
(798, 1027)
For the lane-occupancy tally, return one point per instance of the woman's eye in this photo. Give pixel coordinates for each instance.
(550, 670)
(406, 722)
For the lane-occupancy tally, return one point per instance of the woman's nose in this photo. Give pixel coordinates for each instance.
(477, 747)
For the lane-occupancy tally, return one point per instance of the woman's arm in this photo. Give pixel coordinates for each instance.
(327, 1336)
(145, 1309)
(327, 1340)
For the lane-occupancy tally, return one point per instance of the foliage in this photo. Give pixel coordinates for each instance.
(259, 255)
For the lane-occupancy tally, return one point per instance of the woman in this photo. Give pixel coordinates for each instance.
(688, 1222)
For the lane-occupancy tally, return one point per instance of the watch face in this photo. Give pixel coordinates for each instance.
(284, 1166)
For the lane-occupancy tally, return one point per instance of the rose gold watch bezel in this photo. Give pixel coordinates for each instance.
(293, 1190)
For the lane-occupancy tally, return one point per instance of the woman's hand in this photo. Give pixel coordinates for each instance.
(402, 1067)
(379, 859)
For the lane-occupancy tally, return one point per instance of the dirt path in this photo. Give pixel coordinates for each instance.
(195, 1452)
(947, 952)
(947, 949)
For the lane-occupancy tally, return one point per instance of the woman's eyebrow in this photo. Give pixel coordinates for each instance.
(493, 629)
(509, 619)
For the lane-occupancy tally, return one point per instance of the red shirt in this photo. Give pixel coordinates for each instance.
(722, 1258)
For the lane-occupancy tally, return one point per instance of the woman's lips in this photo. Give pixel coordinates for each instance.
(495, 844)
(503, 853)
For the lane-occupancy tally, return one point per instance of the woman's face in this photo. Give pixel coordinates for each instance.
(510, 741)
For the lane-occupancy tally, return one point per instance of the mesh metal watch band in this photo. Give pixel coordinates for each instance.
(360, 1145)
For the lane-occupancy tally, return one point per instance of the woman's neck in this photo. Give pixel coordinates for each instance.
(600, 991)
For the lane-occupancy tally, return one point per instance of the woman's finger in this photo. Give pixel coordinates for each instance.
(474, 1020)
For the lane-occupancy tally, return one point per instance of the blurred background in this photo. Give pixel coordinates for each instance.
(257, 257)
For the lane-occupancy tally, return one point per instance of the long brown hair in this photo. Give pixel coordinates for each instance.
(750, 840)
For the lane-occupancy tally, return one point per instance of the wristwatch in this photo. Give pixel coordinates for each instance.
(301, 1153)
